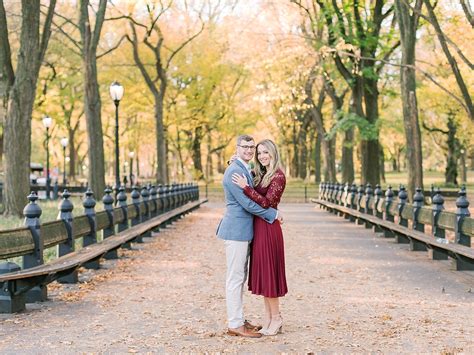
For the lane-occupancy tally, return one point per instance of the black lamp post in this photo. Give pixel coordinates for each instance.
(116, 93)
(64, 143)
(131, 155)
(47, 121)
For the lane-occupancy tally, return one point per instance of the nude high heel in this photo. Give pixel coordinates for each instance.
(275, 327)
(266, 325)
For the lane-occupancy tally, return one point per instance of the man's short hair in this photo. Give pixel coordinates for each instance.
(244, 137)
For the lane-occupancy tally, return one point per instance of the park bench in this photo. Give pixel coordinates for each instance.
(150, 209)
(406, 222)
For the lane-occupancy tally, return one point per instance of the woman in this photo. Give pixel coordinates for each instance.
(267, 263)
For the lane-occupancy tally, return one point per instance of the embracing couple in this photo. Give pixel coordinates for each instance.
(251, 228)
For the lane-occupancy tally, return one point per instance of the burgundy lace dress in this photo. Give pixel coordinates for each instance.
(267, 261)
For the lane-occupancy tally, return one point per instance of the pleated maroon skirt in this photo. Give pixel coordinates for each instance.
(267, 260)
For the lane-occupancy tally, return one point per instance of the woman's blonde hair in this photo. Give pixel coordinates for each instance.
(262, 174)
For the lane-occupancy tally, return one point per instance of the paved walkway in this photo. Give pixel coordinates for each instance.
(350, 292)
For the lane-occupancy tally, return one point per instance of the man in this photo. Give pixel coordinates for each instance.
(236, 229)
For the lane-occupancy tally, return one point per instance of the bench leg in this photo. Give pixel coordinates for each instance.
(462, 263)
(438, 254)
(377, 229)
(401, 239)
(127, 245)
(71, 278)
(147, 234)
(93, 264)
(9, 301)
(386, 233)
(138, 239)
(111, 254)
(37, 294)
(416, 245)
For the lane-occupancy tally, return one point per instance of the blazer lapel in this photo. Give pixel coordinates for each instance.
(246, 172)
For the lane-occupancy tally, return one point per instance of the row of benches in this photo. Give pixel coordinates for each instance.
(102, 233)
(406, 222)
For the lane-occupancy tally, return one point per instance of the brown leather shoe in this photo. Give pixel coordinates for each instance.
(243, 332)
(250, 326)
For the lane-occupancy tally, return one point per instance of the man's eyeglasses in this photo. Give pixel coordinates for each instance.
(251, 147)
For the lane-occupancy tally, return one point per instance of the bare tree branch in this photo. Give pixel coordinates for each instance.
(5, 51)
(426, 74)
(430, 129)
(66, 20)
(180, 47)
(134, 42)
(73, 41)
(99, 21)
(468, 11)
(46, 30)
(112, 48)
(441, 35)
(452, 61)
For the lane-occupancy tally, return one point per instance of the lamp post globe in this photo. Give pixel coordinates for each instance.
(47, 121)
(116, 93)
(64, 143)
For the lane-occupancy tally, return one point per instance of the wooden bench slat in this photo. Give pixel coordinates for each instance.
(53, 233)
(15, 242)
(468, 226)
(81, 226)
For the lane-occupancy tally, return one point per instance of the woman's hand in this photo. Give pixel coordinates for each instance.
(240, 180)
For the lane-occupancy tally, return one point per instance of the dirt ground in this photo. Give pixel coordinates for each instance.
(350, 291)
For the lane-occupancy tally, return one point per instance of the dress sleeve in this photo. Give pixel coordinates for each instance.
(273, 195)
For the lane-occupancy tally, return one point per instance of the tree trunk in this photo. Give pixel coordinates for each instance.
(209, 158)
(303, 152)
(317, 158)
(7, 76)
(451, 172)
(17, 129)
(196, 152)
(399, 160)
(295, 159)
(370, 172)
(220, 162)
(408, 26)
(92, 110)
(162, 168)
(92, 103)
(347, 159)
(2, 114)
(72, 155)
(137, 161)
(382, 164)
(180, 153)
(4, 89)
